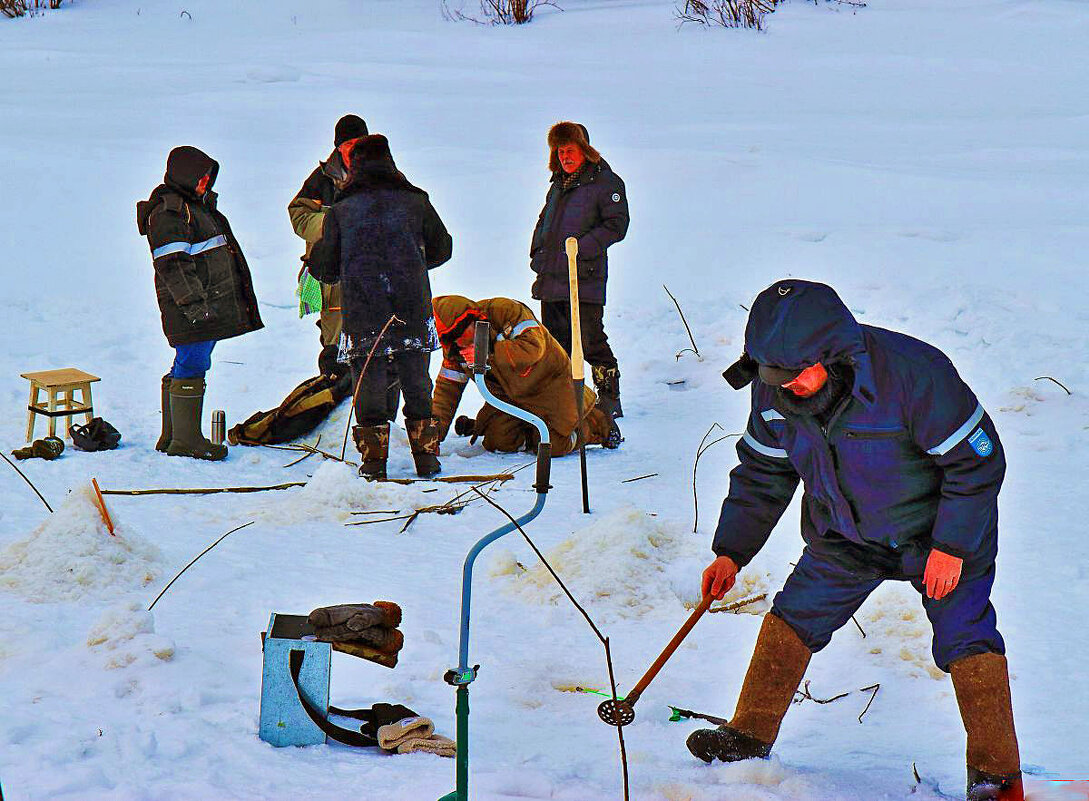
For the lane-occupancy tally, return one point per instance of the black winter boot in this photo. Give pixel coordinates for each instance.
(726, 744)
(607, 384)
(987, 787)
(423, 436)
(373, 445)
(167, 435)
(186, 405)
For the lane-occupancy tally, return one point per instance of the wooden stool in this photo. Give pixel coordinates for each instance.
(59, 386)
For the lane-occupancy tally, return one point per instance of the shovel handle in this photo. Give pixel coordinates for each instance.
(674, 644)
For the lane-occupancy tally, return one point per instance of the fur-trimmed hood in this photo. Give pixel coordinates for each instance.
(569, 133)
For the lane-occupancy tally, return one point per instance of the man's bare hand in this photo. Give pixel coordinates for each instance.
(719, 577)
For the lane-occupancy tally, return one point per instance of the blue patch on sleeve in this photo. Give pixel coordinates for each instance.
(981, 443)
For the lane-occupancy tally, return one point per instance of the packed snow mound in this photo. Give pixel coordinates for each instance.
(897, 629)
(752, 780)
(336, 490)
(625, 565)
(72, 556)
(125, 635)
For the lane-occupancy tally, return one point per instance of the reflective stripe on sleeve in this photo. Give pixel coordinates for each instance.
(172, 247)
(957, 436)
(764, 450)
(519, 329)
(453, 375)
(771, 414)
(208, 244)
(193, 249)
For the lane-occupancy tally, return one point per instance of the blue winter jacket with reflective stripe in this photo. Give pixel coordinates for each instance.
(910, 460)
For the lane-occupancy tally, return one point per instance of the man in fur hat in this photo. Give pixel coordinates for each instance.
(586, 200)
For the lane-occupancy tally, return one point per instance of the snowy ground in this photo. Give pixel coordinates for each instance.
(928, 159)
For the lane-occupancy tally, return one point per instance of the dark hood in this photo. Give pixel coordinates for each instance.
(794, 324)
(186, 165)
(376, 174)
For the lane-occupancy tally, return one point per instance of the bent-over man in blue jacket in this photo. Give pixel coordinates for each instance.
(901, 469)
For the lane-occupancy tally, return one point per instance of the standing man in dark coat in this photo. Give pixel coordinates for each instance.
(586, 200)
(204, 290)
(380, 239)
(902, 468)
(307, 212)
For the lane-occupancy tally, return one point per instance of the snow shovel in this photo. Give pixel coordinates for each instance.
(621, 712)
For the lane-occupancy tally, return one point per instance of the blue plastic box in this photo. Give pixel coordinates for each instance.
(283, 719)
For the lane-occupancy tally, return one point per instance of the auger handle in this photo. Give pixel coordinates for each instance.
(481, 335)
(674, 644)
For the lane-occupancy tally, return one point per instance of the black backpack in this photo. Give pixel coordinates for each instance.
(97, 435)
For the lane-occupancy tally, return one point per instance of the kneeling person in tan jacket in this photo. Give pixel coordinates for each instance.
(528, 368)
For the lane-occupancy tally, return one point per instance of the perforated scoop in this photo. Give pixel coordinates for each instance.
(616, 713)
(622, 712)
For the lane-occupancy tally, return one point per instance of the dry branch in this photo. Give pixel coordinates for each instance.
(702, 449)
(1054, 381)
(203, 490)
(597, 632)
(198, 556)
(804, 695)
(726, 13)
(498, 12)
(359, 381)
(736, 605)
(28, 481)
(691, 338)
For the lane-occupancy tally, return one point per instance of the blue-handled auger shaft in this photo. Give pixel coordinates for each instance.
(462, 676)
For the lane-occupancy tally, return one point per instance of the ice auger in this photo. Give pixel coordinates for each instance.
(463, 675)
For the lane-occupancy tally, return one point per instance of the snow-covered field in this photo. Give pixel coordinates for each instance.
(929, 159)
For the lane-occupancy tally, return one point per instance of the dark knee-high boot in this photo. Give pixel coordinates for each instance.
(168, 427)
(186, 406)
(778, 663)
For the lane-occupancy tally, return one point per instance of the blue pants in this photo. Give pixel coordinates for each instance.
(821, 595)
(192, 360)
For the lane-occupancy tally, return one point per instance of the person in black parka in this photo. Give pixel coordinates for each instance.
(204, 290)
(586, 200)
(379, 240)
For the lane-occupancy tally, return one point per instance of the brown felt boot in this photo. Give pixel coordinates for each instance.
(373, 445)
(423, 436)
(167, 435)
(982, 685)
(778, 664)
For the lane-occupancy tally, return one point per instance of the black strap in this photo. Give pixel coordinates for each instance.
(346, 736)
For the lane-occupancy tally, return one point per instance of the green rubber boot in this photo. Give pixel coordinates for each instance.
(186, 405)
(168, 427)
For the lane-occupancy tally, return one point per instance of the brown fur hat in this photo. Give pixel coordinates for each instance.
(569, 133)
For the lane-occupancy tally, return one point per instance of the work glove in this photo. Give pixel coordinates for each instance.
(49, 449)
(464, 426)
(196, 312)
(942, 574)
(719, 577)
